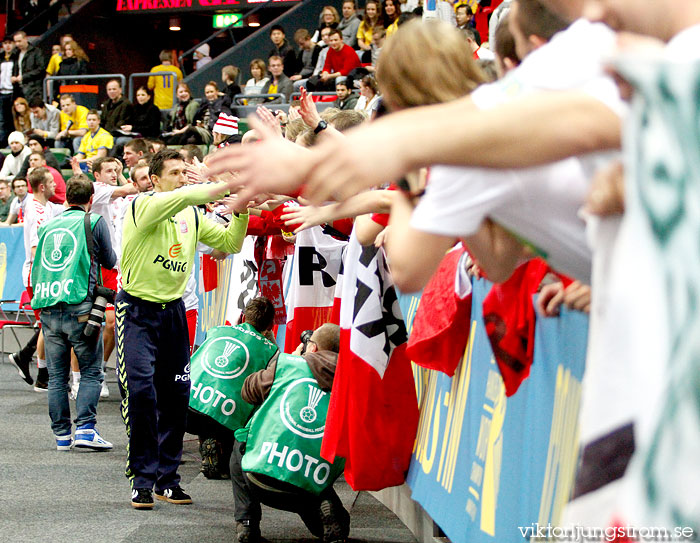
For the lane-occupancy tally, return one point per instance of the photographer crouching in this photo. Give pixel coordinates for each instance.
(69, 253)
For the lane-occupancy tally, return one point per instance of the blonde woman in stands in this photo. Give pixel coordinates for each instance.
(329, 19)
(21, 115)
(372, 18)
(255, 85)
(369, 96)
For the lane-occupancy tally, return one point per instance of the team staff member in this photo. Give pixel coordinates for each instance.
(64, 276)
(159, 239)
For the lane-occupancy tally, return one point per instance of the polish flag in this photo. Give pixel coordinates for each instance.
(373, 413)
(317, 260)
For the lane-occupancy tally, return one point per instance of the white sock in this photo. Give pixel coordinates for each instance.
(41, 363)
(76, 377)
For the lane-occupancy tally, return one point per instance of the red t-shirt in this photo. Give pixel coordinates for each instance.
(342, 61)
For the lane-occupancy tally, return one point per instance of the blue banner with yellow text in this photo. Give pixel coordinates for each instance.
(484, 465)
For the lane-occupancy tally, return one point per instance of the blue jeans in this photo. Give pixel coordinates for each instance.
(61, 332)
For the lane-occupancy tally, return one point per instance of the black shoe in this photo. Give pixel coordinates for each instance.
(174, 495)
(247, 532)
(42, 380)
(22, 367)
(210, 458)
(142, 498)
(336, 522)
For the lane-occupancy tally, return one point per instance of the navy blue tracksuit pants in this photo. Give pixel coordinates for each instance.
(153, 368)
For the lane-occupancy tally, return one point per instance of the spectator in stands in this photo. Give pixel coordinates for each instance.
(145, 118)
(378, 38)
(369, 96)
(38, 160)
(97, 142)
(212, 106)
(36, 145)
(465, 17)
(340, 60)
(73, 123)
(189, 152)
(163, 85)
(349, 24)
(279, 82)
(7, 63)
(45, 121)
(17, 209)
(282, 48)
(372, 18)
(346, 100)
(229, 77)
(75, 61)
(323, 53)
(307, 58)
(255, 85)
(155, 145)
(182, 120)
(116, 111)
(6, 199)
(201, 56)
(18, 152)
(134, 151)
(20, 115)
(28, 71)
(57, 55)
(329, 19)
(391, 12)
(474, 41)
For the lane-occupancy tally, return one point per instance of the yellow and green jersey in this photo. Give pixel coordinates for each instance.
(159, 240)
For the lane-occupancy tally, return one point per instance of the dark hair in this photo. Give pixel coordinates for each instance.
(39, 153)
(37, 177)
(504, 45)
(159, 159)
(260, 313)
(116, 81)
(336, 31)
(405, 17)
(18, 178)
(472, 34)
(37, 102)
(41, 141)
(145, 89)
(277, 27)
(79, 189)
(193, 151)
(328, 337)
(93, 112)
(98, 162)
(535, 19)
(137, 145)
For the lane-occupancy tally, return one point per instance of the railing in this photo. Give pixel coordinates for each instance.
(132, 89)
(48, 88)
(238, 98)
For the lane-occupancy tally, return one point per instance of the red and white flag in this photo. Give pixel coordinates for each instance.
(317, 260)
(373, 413)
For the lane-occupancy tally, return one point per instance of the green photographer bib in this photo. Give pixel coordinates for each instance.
(61, 267)
(219, 367)
(285, 434)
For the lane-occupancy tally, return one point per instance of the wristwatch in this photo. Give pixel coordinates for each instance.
(322, 125)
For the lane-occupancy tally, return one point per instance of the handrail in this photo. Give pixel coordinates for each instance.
(220, 31)
(253, 96)
(45, 13)
(53, 78)
(164, 74)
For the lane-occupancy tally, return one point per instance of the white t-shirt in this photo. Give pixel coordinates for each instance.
(16, 205)
(35, 215)
(102, 205)
(539, 205)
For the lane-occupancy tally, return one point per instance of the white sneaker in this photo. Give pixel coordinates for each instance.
(64, 443)
(104, 391)
(73, 394)
(87, 437)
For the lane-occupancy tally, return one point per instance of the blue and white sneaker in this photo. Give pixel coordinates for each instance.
(87, 437)
(64, 443)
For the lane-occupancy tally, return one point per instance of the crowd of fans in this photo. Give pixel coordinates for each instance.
(512, 166)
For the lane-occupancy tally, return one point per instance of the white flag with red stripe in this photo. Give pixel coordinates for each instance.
(373, 413)
(317, 260)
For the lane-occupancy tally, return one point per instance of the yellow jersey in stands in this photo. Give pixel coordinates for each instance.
(91, 143)
(162, 86)
(79, 119)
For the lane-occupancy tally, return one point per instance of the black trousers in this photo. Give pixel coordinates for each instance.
(153, 357)
(248, 496)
